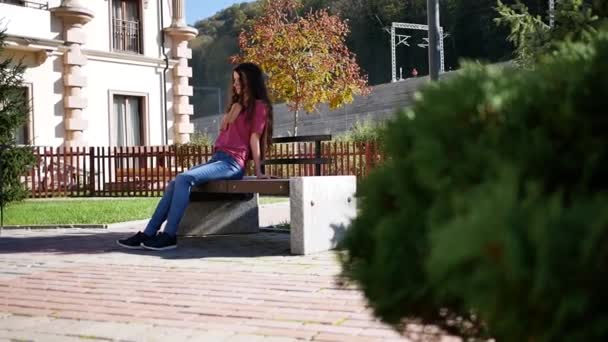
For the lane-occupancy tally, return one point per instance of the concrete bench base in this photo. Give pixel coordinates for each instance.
(210, 214)
(321, 208)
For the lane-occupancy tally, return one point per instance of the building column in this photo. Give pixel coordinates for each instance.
(180, 34)
(74, 16)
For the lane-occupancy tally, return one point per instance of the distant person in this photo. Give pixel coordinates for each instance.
(246, 131)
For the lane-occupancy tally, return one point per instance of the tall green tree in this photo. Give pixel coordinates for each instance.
(14, 109)
(533, 37)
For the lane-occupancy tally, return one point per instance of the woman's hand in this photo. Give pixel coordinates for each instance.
(260, 175)
(224, 124)
(229, 117)
(254, 144)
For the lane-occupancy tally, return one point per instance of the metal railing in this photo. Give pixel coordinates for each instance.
(29, 4)
(126, 36)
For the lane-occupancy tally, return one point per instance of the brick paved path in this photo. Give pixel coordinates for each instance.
(75, 285)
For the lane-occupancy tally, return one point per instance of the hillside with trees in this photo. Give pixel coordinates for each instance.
(473, 34)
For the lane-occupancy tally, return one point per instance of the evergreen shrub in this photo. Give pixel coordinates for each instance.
(489, 217)
(14, 160)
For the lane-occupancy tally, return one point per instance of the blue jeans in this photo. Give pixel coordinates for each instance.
(177, 195)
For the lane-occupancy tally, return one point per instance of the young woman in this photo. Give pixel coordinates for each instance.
(245, 132)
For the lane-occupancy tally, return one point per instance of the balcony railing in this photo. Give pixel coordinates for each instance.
(31, 4)
(126, 36)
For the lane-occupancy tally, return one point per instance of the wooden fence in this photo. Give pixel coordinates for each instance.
(143, 171)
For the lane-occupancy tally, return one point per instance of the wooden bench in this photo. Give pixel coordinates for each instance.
(320, 206)
(317, 160)
(154, 178)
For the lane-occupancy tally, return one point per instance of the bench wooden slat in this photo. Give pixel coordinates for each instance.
(139, 172)
(305, 138)
(275, 187)
(124, 186)
(283, 161)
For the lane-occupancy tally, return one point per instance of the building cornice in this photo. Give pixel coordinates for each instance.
(24, 43)
(41, 48)
(126, 58)
(34, 44)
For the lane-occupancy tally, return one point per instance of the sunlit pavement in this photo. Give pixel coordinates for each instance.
(77, 284)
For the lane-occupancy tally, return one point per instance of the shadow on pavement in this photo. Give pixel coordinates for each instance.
(244, 245)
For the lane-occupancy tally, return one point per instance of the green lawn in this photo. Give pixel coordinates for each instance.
(87, 211)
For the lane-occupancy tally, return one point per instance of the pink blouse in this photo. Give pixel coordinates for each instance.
(235, 139)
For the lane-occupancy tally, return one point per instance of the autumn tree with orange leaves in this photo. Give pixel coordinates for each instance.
(305, 57)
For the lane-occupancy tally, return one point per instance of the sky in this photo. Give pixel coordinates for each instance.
(201, 9)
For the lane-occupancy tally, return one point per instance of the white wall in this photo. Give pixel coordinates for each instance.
(37, 23)
(99, 30)
(47, 89)
(29, 22)
(105, 71)
(47, 99)
(104, 77)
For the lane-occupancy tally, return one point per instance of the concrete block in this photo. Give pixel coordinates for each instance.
(184, 109)
(76, 35)
(183, 71)
(75, 58)
(210, 214)
(321, 210)
(182, 90)
(75, 81)
(184, 128)
(73, 124)
(183, 52)
(75, 102)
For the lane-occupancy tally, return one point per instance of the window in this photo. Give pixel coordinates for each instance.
(126, 26)
(13, 2)
(22, 134)
(33, 4)
(128, 121)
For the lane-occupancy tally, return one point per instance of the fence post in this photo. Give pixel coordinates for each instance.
(317, 156)
(91, 171)
(368, 158)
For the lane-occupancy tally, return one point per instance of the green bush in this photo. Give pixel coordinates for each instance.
(489, 217)
(362, 131)
(200, 139)
(193, 152)
(14, 160)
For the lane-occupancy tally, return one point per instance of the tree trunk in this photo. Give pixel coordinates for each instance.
(295, 123)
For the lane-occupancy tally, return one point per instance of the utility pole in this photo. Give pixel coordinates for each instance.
(432, 9)
(551, 13)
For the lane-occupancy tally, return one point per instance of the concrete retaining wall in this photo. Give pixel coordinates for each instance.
(381, 104)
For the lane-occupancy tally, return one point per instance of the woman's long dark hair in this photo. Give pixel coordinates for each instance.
(253, 83)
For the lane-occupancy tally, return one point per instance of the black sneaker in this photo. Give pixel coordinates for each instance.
(133, 242)
(161, 242)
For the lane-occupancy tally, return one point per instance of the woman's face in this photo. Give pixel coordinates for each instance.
(236, 83)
